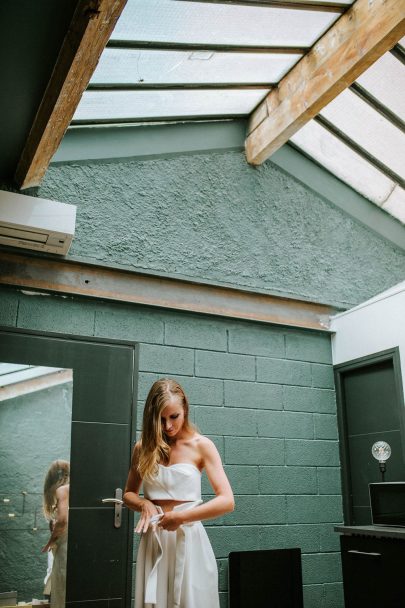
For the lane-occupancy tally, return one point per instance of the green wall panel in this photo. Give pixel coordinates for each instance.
(274, 431)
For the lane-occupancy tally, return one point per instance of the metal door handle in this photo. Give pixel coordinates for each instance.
(118, 502)
(356, 552)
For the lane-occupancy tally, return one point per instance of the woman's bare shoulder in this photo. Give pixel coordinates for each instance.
(62, 491)
(204, 444)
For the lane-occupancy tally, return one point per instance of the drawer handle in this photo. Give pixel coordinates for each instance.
(356, 552)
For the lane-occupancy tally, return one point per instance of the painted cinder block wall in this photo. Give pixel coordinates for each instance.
(263, 393)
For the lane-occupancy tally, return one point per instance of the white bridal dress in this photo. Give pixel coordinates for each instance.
(58, 575)
(176, 569)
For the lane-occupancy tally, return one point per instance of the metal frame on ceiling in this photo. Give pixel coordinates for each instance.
(140, 45)
(360, 150)
(206, 86)
(376, 104)
(399, 53)
(324, 6)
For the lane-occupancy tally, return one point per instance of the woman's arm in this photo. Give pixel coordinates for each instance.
(62, 513)
(131, 494)
(221, 504)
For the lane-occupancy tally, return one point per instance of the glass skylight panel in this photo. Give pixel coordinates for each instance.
(146, 105)
(333, 154)
(211, 23)
(385, 80)
(196, 67)
(368, 128)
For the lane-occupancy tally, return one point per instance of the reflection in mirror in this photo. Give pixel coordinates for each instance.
(35, 428)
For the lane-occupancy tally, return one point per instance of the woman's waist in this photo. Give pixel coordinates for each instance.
(168, 505)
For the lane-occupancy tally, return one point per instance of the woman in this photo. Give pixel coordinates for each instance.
(176, 566)
(56, 509)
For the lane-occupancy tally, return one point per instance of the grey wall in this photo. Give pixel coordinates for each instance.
(34, 431)
(214, 217)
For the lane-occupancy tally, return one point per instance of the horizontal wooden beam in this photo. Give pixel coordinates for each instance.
(89, 31)
(79, 279)
(364, 33)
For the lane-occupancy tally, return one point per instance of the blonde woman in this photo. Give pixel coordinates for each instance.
(56, 510)
(176, 566)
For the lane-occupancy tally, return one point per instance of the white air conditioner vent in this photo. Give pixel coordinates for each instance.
(36, 223)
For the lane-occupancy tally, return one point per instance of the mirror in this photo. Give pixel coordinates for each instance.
(35, 429)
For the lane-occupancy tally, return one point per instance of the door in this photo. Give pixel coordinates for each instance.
(99, 553)
(370, 409)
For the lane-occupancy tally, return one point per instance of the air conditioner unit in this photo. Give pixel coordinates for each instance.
(36, 223)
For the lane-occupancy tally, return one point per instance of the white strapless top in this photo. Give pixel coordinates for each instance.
(180, 481)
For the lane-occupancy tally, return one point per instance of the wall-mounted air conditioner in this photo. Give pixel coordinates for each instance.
(36, 223)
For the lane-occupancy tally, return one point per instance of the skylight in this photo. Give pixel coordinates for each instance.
(176, 59)
(183, 60)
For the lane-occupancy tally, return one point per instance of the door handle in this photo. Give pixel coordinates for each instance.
(118, 502)
(356, 552)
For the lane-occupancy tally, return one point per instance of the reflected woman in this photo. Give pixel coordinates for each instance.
(56, 509)
(176, 566)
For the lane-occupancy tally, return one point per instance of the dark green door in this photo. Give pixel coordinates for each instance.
(370, 402)
(103, 423)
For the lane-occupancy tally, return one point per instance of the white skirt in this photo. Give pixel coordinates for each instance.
(58, 574)
(176, 569)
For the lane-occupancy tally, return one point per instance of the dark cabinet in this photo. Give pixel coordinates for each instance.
(373, 569)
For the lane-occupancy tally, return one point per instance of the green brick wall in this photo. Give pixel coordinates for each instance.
(264, 394)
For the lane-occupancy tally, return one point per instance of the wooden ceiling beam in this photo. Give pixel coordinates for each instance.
(364, 33)
(88, 34)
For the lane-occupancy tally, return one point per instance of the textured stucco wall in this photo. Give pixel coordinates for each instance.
(34, 431)
(214, 217)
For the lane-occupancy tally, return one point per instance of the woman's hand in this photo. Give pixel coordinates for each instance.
(148, 510)
(49, 545)
(170, 521)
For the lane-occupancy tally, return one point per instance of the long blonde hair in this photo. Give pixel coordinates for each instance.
(58, 475)
(154, 444)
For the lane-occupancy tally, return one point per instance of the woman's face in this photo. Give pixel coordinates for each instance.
(172, 416)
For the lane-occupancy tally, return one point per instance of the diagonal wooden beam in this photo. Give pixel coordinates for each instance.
(364, 33)
(89, 32)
